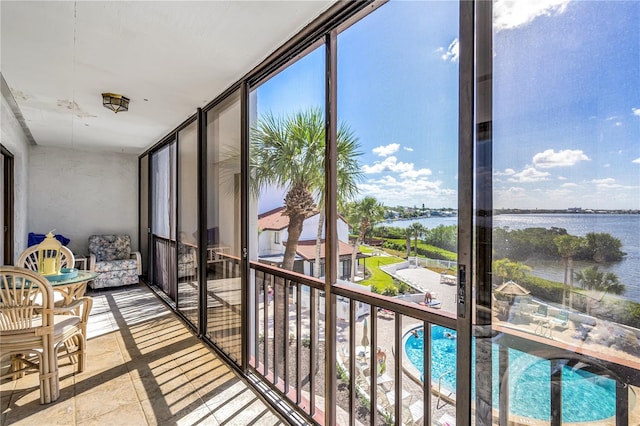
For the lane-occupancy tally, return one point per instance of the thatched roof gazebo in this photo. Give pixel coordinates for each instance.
(510, 290)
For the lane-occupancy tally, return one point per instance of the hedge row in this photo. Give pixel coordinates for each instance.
(425, 250)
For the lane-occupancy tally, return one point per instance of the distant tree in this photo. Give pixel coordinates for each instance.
(442, 236)
(508, 270)
(592, 279)
(603, 247)
(568, 246)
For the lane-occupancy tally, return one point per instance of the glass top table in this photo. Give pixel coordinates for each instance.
(75, 287)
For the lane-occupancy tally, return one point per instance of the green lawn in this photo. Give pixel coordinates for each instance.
(379, 280)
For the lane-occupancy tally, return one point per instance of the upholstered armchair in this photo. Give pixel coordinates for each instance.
(111, 256)
(187, 261)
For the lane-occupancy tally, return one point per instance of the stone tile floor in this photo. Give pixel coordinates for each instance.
(144, 367)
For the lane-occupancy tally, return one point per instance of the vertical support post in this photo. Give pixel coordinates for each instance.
(426, 367)
(484, 213)
(202, 221)
(503, 393)
(556, 391)
(397, 343)
(245, 272)
(622, 403)
(331, 213)
(352, 362)
(465, 209)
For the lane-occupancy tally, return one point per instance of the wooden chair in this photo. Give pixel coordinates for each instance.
(31, 331)
(29, 258)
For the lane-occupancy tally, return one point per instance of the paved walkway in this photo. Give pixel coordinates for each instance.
(144, 367)
(425, 280)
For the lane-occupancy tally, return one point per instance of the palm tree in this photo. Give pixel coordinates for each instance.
(365, 213)
(568, 246)
(417, 230)
(408, 233)
(593, 279)
(289, 152)
(348, 174)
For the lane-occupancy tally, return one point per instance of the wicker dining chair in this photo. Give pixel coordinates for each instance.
(31, 329)
(29, 258)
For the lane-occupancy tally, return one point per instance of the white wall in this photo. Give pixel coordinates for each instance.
(14, 139)
(81, 193)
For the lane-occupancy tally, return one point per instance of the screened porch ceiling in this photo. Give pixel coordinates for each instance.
(169, 58)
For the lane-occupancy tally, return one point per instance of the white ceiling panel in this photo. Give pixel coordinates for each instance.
(169, 58)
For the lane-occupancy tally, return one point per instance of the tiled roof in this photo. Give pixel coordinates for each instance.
(307, 249)
(274, 220)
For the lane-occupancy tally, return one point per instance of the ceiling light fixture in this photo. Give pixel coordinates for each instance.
(115, 102)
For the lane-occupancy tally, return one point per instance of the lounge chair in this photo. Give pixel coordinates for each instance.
(561, 321)
(541, 319)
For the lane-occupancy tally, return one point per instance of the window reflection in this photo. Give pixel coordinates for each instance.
(566, 235)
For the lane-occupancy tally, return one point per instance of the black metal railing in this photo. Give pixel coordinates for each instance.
(288, 350)
(288, 345)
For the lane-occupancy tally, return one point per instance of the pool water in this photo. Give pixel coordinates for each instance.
(585, 396)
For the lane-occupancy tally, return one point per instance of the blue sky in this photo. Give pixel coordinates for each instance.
(566, 102)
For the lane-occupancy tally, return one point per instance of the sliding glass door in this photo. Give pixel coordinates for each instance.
(223, 286)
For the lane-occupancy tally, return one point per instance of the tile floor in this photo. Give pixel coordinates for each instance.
(144, 367)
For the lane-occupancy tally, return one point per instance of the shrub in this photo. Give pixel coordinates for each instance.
(543, 289)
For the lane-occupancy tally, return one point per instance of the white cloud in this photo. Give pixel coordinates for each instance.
(509, 14)
(412, 174)
(529, 174)
(389, 164)
(393, 191)
(636, 111)
(562, 178)
(637, 160)
(606, 165)
(452, 52)
(569, 185)
(386, 150)
(507, 172)
(603, 181)
(550, 158)
(407, 148)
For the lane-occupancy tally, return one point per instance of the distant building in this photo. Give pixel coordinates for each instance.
(273, 234)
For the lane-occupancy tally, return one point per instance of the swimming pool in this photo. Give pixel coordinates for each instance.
(585, 396)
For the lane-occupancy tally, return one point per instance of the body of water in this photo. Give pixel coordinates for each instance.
(624, 227)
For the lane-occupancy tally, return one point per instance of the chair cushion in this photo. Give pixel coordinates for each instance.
(61, 324)
(110, 247)
(116, 265)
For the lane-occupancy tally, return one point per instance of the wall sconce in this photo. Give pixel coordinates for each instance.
(115, 102)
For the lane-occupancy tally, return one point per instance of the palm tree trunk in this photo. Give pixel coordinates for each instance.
(408, 244)
(281, 304)
(363, 229)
